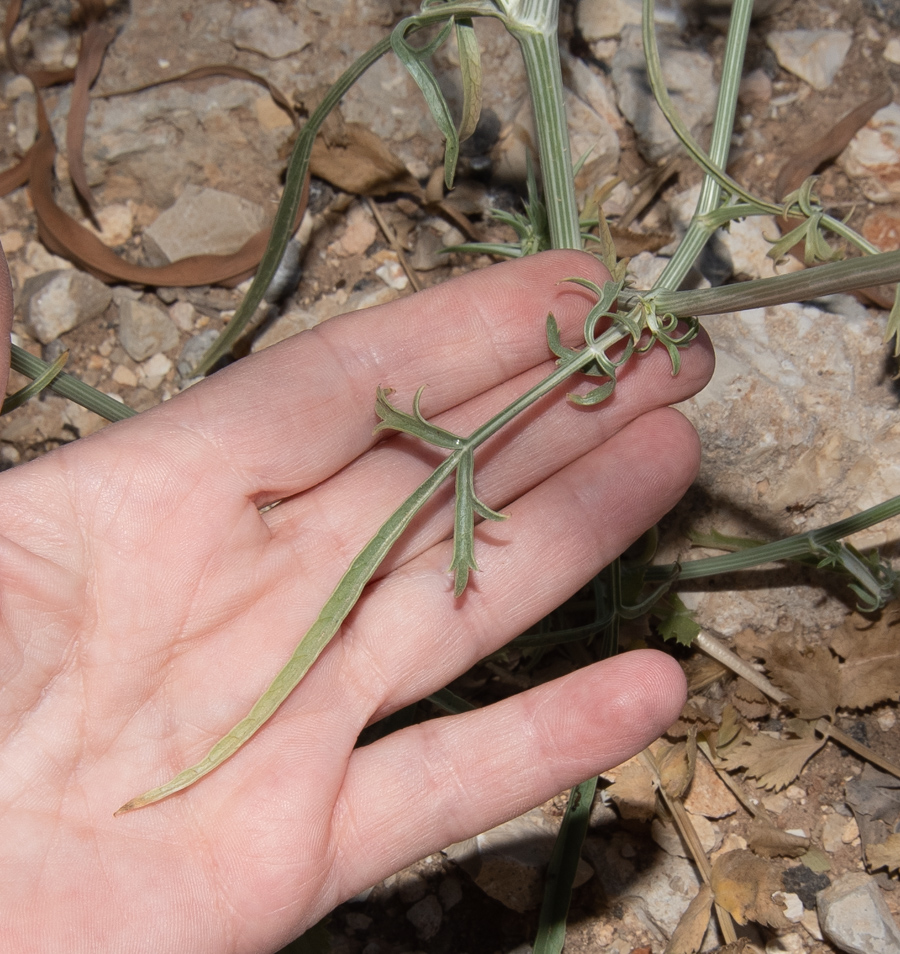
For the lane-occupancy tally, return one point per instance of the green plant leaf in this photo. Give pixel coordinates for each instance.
(392, 418)
(43, 380)
(562, 869)
(893, 324)
(467, 505)
(413, 58)
(470, 71)
(675, 620)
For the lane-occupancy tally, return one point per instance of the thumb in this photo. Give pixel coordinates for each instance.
(6, 316)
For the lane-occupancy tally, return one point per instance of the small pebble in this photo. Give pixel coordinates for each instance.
(125, 376)
(392, 274)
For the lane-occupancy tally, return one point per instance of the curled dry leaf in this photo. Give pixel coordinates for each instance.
(743, 884)
(688, 934)
(693, 717)
(676, 766)
(771, 842)
(358, 161)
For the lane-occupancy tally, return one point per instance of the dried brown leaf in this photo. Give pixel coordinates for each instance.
(730, 730)
(676, 767)
(885, 855)
(629, 243)
(703, 671)
(358, 161)
(749, 701)
(692, 717)
(632, 790)
(688, 934)
(771, 842)
(775, 763)
(744, 884)
(870, 672)
(811, 676)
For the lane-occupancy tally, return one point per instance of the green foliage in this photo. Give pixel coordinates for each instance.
(675, 621)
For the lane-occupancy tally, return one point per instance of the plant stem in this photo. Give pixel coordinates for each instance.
(699, 231)
(799, 545)
(70, 387)
(540, 51)
(830, 279)
(283, 225)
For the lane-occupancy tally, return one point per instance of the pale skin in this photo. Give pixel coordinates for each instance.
(145, 604)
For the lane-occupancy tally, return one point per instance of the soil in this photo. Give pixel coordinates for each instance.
(766, 135)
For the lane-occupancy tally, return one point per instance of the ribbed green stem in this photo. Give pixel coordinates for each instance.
(699, 232)
(283, 224)
(811, 283)
(540, 51)
(802, 544)
(70, 387)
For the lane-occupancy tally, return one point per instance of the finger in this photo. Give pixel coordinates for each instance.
(467, 773)
(294, 414)
(557, 538)
(6, 316)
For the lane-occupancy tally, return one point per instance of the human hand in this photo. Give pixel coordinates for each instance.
(145, 603)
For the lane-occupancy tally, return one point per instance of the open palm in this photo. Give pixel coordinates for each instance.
(146, 602)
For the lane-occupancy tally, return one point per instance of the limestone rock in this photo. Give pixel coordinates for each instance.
(873, 156)
(426, 916)
(603, 19)
(799, 429)
(263, 28)
(58, 301)
(205, 222)
(145, 330)
(855, 918)
(813, 55)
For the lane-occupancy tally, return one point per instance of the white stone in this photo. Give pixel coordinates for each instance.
(873, 156)
(153, 370)
(125, 376)
(392, 274)
(205, 221)
(263, 28)
(602, 19)
(60, 300)
(813, 55)
(145, 329)
(426, 916)
(183, 314)
(116, 223)
(748, 242)
(892, 50)
(793, 906)
(605, 19)
(853, 916)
